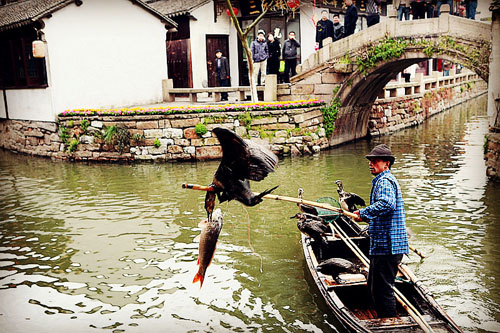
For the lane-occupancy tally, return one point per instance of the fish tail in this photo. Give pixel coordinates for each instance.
(198, 277)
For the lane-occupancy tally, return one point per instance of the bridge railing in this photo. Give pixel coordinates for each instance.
(422, 84)
(445, 25)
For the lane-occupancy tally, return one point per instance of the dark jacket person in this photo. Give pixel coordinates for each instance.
(387, 229)
(274, 48)
(324, 28)
(222, 72)
(338, 28)
(289, 53)
(350, 18)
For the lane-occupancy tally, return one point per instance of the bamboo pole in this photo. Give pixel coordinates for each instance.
(282, 198)
(294, 200)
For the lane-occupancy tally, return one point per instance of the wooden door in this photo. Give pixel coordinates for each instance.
(215, 42)
(179, 63)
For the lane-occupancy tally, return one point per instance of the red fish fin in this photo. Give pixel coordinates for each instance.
(198, 277)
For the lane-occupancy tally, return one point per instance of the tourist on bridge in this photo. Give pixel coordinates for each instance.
(222, 72)
(418, 9)
(373, 16)
(350, 18)
(324, 29)
(260, 53)
(470, 9)
(403, 8)
(338, 28)
(387, 230)
(429, 8)
(290, 54)
(274, 48)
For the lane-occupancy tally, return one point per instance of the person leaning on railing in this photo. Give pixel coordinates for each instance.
(403, 8)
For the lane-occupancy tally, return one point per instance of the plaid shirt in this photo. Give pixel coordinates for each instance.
(386, 213)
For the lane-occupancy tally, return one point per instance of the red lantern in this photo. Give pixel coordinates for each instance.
(235, 10)
(293, 3)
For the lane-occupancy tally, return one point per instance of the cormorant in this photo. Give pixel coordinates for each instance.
(241, 160)
(348, 201)
(313, 226)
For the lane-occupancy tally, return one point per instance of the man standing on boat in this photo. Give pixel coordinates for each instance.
(387, 229)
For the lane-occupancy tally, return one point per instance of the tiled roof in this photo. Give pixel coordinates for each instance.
(172, 8)
(24, 12)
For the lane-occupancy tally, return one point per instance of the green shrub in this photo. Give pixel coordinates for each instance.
(330, 113)
(157, 143)
(72, 145)
(200, 129)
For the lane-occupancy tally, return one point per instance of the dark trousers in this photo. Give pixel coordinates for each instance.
(381, 279)
(223, 83)
(372, 19)
(290, 64)
(273, 65)
(418, 9)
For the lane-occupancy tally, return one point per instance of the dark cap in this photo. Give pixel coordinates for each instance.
(217, 51)
(383, 152)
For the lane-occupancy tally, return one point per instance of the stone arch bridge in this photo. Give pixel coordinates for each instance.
(354, 70)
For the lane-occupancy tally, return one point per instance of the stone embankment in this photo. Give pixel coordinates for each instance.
(164, 137)
(169, 137)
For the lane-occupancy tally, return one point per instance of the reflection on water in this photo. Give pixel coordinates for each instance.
(111, 246)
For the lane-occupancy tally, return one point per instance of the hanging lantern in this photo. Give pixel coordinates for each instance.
(38, 49)
(293, 4)
(235, 10)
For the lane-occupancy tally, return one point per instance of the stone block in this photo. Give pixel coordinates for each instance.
(332, 77)
(157, 151)
(181, 142)
(190, 133)
(302, 89)
(211, 141)
(324, 88)
(174, 149)
(175, 133)
(164, 123)
(47, 126)
(211, 152)
(240, 130)
(197, 142)
(87, 139)
(278, 140)
(263, 121)
(153, 133)
(96, 123)
(151, 124)
(34, 132)
(313, 79)
(284, 119)
(166, 142)
(190, 150)
(306, 116)
(281, 134)
(183, 123)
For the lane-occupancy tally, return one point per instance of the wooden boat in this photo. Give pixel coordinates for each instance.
(347, 295)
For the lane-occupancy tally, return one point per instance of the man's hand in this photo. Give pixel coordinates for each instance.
(358, 218)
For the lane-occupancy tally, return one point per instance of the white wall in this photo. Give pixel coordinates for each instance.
(105, 54)
(201, 27)
(307, 29)
(3, 114)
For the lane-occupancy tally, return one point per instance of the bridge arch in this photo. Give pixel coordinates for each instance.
(376, 55)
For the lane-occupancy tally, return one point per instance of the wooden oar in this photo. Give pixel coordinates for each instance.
(412, 311)
(282, 198)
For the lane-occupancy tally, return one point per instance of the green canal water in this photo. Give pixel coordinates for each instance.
(92, 247)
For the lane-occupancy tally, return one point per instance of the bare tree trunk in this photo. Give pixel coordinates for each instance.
(242, 35)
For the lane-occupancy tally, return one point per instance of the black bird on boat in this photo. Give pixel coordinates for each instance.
(348, 201)
(312, 226)
(242, 160)
(336, 266)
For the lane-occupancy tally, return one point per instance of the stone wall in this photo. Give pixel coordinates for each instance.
(165, 137)
(395, 113)
(492, 154)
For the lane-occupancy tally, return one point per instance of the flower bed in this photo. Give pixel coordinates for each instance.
(165, 110)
